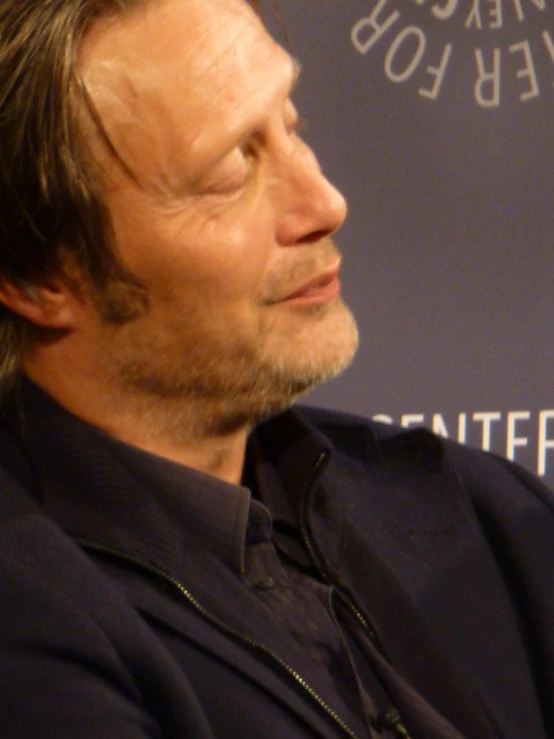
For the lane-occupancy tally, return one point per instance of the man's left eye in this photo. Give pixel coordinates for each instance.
(233, 183)
(229, 178)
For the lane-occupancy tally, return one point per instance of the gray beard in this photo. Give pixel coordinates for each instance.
(214, 396)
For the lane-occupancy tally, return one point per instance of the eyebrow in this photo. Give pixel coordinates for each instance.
(296, 70)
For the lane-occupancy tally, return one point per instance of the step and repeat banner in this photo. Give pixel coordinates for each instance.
(436, 119)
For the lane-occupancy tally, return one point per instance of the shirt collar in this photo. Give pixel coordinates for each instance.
(122, 497)
(282, 454)
(109, 492)
(211, 510)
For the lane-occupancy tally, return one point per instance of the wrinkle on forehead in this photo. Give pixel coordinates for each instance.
(176, 77)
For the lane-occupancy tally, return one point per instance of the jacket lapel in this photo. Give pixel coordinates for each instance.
(409, 547)
(180, 616)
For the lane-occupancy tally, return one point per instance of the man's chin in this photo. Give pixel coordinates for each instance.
(245, 385)
(329, 352)
(326, 349)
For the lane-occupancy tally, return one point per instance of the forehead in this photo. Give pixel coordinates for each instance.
(187, 72)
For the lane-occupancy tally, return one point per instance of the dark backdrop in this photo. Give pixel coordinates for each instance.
(436, 119)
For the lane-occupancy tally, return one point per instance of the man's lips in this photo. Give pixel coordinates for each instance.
(320, 289)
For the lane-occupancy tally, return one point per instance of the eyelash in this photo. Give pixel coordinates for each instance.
(296, 128)
(249, 151)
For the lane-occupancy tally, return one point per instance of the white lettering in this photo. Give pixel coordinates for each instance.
(377, 27)
(442, 12)
(540, 4)
(462, 428)
(495, 14)
(487, 418)
(447, 10)
(411, 419)
(438, 73)
(519, 10)
(513, 441)
(544, 442)
(488, 80)
(383, 418)
(474, 17)
(418, 34)
(439, 427)
(528, 71)
(549, 44)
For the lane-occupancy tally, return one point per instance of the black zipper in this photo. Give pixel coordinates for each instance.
(391, 719)
(317, 558)
(219, 624)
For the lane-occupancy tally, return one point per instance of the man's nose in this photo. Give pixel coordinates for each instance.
(311, 207)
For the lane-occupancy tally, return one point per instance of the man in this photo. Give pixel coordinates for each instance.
(180, 555)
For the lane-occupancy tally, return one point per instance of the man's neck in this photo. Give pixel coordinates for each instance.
(220, 457)
(175, 430)
(217, 454)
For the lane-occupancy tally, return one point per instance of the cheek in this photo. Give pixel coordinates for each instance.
(219, 260)
(219, 250)
(234, 250)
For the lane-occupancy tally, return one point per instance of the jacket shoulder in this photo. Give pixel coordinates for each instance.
(483, 473)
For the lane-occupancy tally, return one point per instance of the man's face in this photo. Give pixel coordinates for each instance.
(229, 220)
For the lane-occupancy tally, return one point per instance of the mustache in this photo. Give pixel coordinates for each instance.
(299, 267)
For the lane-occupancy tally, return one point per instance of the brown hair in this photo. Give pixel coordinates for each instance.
(50, 197)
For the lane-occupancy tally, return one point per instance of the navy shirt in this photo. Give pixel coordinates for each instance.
(225, 555)
(236, 549)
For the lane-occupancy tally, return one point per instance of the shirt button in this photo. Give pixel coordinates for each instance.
(266, 583)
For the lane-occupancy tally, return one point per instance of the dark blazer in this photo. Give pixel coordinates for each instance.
(446, 551)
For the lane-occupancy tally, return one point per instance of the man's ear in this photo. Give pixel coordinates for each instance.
(50, 303)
